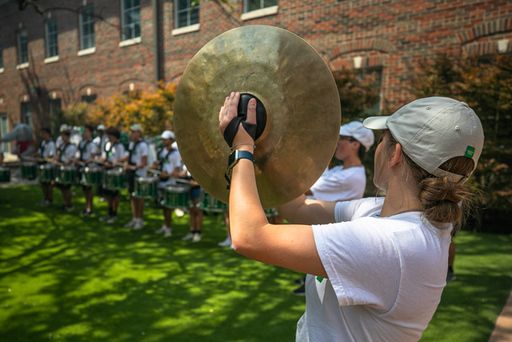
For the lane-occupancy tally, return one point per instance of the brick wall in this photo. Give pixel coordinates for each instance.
(389, 35)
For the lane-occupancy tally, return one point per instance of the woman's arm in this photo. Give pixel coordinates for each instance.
(290, 246)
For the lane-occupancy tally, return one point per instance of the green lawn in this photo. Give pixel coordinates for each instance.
(63, 277)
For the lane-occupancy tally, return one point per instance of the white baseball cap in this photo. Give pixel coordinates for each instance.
(356, 130)
(136, 127)
(100, 127)
(64, 128)
(167, 135)
(434, 130)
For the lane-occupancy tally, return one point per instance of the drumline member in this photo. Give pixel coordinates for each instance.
(63, 128)
(137, 158)
(100, 140)
(66, 156)
(196, 213)
(46, 152)
(377, 266)
(87, 151)
(1, 155)
(110, 155)
(168, 163)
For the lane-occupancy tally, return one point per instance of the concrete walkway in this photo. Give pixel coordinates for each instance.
(503, 329)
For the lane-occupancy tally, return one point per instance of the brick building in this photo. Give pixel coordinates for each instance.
(65, 51)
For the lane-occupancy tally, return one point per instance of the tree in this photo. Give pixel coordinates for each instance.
(485, 84)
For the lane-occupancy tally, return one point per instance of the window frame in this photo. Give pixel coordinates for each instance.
(51, 38)
(27, 116)
(189, 9)
(22, 47)
(125, 26)
(90, 23)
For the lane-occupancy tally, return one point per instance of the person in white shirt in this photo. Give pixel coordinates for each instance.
(169, 164)
(23, 135)
(137, 159)
(66, 156)
(347, 181)
(87, 151)
(46, 152)
(112, 154)
(376, 266)
(63, 128)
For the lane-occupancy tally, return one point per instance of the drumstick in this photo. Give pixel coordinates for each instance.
(184, 181)
(154, 171)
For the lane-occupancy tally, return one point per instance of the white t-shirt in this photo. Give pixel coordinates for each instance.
(339, 184)
(140, 151)
(386, 276)
(47, 149)
(67, 152)
(112, 153)
(172, 162)
(86, 149)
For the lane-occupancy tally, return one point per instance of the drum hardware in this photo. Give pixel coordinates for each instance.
(303, 112)
(66, 174)
(146, 187)
(5, 174)
(114, 179)
(177, 197)
(46, 173)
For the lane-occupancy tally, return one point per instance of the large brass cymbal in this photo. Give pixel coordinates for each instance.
(302, 106)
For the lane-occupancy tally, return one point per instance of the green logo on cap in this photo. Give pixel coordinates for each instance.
(470, 152)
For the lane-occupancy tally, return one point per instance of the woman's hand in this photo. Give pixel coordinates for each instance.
(230, 110)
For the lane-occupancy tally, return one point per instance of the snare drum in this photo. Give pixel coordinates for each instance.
(46, 173)
(28, 170)
(92, 176)
(176, 196)
(210, 203)
(5, 174)
(114, 179)
(66, 175)
(146, 187)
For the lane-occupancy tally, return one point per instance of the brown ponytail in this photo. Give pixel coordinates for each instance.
(443, 201)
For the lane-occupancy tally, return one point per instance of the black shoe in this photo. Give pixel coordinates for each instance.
(300, 291)
(86, 213)
(300, 281)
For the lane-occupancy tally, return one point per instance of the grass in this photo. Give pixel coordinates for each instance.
(63, 277)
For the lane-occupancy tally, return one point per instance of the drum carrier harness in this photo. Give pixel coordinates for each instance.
(162, 160)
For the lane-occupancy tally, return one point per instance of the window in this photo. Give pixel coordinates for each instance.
(4, 129)
(185, 13)
(87, 28)
(26, 114)
(22, 46)
(1, 56)
(55, 107)
(253, 5)
(52, 46)
(89, 98)
(130, 19)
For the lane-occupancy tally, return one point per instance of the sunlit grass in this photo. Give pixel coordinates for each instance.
(63, 277)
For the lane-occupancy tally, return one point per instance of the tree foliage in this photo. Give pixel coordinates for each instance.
(152, 109)
(485, 84)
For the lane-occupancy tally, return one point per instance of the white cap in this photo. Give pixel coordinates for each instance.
(136, 127)
(167, 135)
(64, 128)
(434, 130)
(356, 130)
(100, 127)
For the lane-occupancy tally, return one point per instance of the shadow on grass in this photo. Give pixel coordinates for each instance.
(63, 277)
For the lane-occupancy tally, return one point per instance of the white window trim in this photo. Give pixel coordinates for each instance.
(1, 70)
(132, 41)
(260, 13)
(186, 29)
(22, 66)
(86, 51)
(51, 59)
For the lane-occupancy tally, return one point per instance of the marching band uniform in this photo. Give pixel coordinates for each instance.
(66, 156)
(112, 153)
(87, 149)
(46, 150)
(169, 162)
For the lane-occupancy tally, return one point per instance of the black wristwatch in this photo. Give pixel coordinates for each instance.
(237, 155)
